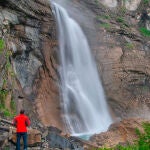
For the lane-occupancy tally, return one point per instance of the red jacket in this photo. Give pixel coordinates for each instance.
(21, 122)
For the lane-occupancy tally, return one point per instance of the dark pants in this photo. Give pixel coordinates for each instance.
(19, 135)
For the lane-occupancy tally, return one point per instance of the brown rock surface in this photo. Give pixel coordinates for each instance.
(31, 36)
(122, 56)
(122, 132)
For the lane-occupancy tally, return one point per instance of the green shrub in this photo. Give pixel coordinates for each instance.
(144, 138)
(120, 19)
(146, 1)
(2, 44)
(7, 113)
(3, 109)
(145, 32)
(105, 25)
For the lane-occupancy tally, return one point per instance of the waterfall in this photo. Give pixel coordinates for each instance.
(84, 105)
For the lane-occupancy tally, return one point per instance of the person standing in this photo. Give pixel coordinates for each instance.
(21, 122)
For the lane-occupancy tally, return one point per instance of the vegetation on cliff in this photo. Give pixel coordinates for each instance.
(1, 45)
(7, 104)
(145, 32)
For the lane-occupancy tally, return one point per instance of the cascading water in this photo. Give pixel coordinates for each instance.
(84, 104)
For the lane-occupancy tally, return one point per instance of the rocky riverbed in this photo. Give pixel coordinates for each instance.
(120, 133)
(118, 33)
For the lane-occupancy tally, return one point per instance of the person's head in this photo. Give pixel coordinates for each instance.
(22, 111)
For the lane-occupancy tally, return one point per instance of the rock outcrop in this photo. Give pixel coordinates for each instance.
(28, 29)
(123, 133)
(122, 54)
(34, 136)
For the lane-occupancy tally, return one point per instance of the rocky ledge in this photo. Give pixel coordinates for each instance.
(120, 133)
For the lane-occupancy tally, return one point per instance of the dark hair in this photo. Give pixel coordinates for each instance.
(22, 111)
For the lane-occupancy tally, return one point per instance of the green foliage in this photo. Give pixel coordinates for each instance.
(7, 113)
(144, 138)
(105, 25)
(8, 66)
(145, 32)
(103, 149)
(6, 148)
(3, 109)
(146, 1)
(129, 46)
(2, 44)
(120, 19)
(128, 147)
(97, 2)
(3, 94)
(105, 17)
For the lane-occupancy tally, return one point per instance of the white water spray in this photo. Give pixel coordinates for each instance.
(84, 104)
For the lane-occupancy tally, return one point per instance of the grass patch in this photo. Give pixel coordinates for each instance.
(103, 17)
(120, 19)
(2, 45)
(105, 25)
(129, 46)
(106, 17)
(145, 32)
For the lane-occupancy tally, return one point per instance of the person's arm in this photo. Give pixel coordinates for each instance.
(27, 122)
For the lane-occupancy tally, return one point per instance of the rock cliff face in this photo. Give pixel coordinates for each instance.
(122, 54)
(28, 29)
